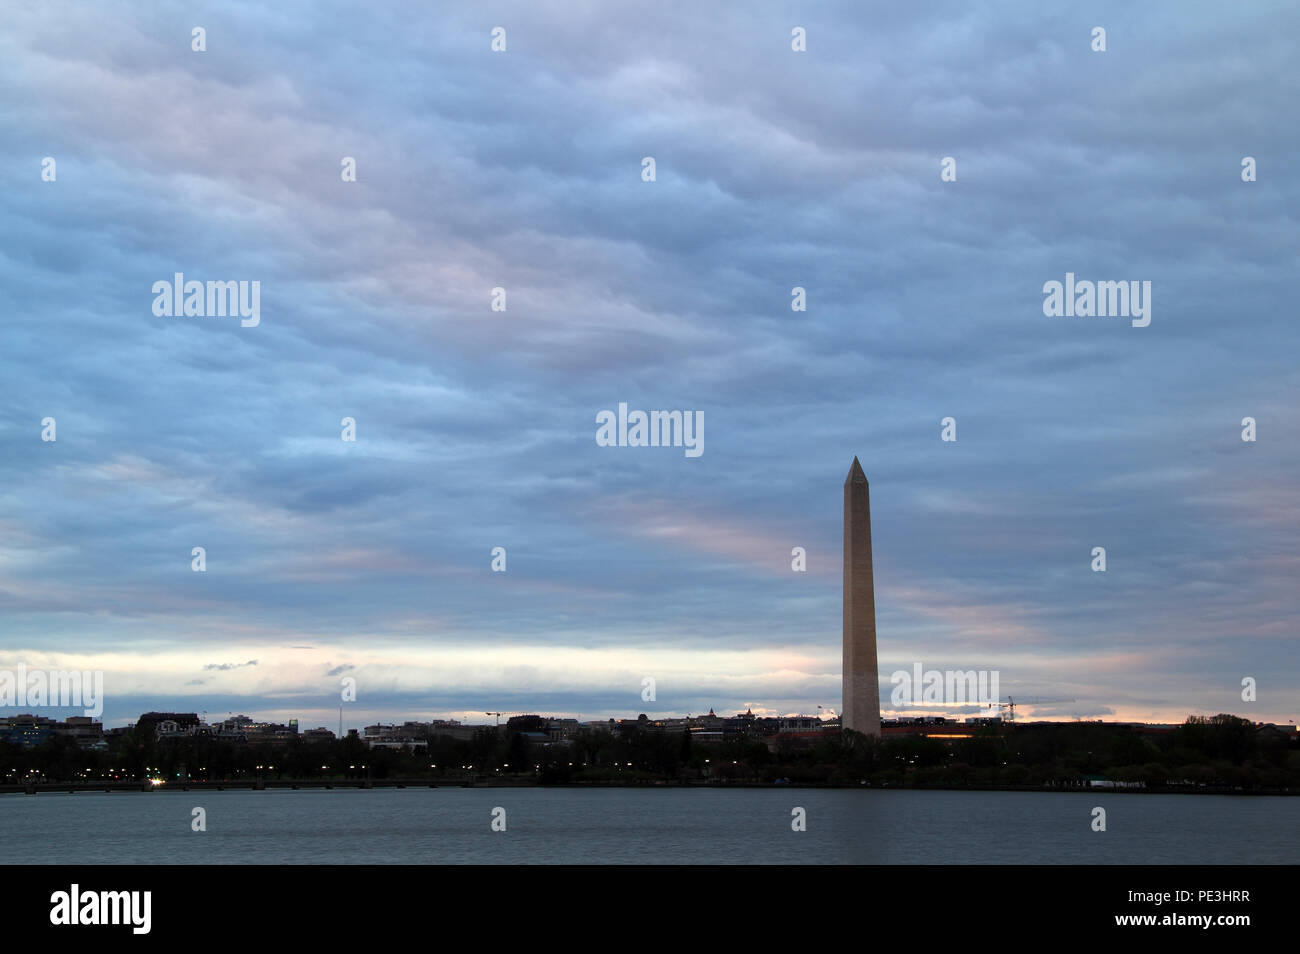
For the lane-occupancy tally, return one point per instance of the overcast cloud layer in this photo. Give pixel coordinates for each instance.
(476, 429)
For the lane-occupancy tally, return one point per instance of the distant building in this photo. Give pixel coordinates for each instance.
(462, 733)
(241, 728)
(170, 729)
(26, 730)
(526, 723)
(411, 744)
(30, 730)
(413, 732)
(799, 724)
(85, 730)
(184, 720)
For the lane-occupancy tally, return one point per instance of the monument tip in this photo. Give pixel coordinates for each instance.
(855, 473)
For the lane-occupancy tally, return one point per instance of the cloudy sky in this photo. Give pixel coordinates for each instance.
(475, 428)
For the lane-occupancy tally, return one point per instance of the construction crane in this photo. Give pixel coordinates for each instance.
(1010, 705)
(498, 715)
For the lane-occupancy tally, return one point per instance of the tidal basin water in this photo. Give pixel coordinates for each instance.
(645, 826)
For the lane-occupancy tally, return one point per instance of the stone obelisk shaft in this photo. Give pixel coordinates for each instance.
(861, 711)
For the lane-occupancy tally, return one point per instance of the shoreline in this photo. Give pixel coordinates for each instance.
(72, 788)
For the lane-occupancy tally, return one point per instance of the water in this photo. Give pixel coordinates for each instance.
(645, 826)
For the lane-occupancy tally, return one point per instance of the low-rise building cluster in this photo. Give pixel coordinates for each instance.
(29, 730)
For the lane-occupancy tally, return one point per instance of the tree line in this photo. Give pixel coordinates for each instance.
(1221, 752)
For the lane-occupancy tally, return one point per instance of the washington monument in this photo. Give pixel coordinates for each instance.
(861, 706)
